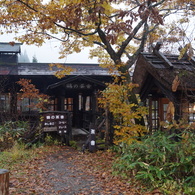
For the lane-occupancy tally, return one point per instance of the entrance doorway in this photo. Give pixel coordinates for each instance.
(78, 95)
(80, 107)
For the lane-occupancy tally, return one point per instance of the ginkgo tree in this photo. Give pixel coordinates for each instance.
(115, 30)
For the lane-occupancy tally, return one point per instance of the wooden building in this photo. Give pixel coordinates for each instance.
(165, 80)
(76, 93)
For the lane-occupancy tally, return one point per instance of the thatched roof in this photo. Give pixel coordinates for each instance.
(163, 68)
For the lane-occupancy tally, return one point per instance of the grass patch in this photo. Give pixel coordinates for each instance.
(17, 154)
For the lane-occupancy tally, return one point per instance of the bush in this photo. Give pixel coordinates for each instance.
(159, 162)
(51, 140)
(11, 132)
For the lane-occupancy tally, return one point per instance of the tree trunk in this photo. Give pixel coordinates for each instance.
(4, 182)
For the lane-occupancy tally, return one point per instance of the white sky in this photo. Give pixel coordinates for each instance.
(49, 52)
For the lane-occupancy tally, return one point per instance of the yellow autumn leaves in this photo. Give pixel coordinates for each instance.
(61, 70)
(118, 99)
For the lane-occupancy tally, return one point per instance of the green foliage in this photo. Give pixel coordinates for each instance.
(51, 140)
(10, 132)
(14, 129)
(73, 144)
(16, 154)
(160, 162)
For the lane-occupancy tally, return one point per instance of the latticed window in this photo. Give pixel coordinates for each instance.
(191, 117)
(52, 106)
(27, 105)
(165, 106)
(154, 115)
(4, 102)
(158, 108)
(68, 104)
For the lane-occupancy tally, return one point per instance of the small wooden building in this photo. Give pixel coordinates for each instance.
(166, 80)
(76, 93)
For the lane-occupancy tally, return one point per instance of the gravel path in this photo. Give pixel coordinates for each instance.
(67, 177)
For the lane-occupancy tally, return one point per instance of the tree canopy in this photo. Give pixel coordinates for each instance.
(118, 29)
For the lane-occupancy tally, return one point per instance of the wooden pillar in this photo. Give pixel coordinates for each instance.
(178, 114)
(94, 106)
(150, 115)
(60, 103)
(13, 104)
(107, 126)
(76, 114)
(84, 103)
(4, 182)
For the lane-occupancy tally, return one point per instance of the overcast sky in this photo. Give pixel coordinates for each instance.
(49, 52)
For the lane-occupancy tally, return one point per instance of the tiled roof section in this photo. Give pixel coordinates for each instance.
(8, 70)
(10, 48)
(164, 68)
(182, 64)
(44, 69)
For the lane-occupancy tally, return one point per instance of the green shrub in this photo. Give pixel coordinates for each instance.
(159, 162)
(51, 140)
(10, 132)
(14, 129)
(73, 144)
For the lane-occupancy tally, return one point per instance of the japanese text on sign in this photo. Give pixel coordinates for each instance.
(56, 122)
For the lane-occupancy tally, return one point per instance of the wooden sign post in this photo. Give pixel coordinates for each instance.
(92, 141)
(4, 182)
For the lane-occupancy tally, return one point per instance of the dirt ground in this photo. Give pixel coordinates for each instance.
(63, 170)
(67, 176)
(70, 172)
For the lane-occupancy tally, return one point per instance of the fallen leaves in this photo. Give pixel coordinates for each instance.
(28, 177)
(64, 170)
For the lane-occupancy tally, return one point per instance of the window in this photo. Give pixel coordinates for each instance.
(68, 104)
(165, 106)
(87, 105)
(53, 104)
(154, 118)
(157, 111)
(80, 102)
(191, 112)
(84, 103)
(27, 105)
(4, 102)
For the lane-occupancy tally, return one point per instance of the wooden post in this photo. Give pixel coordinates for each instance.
(92, 139)
(107, 126)
(4, 182)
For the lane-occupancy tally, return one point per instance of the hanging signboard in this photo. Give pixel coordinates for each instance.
(78, 86)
